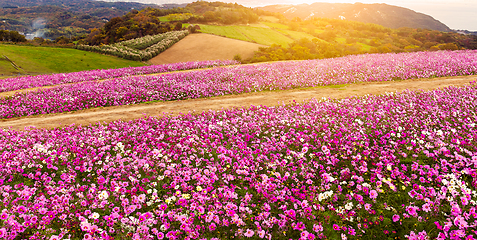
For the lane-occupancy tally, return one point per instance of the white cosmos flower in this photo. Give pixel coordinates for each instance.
(103, 195)
(95, 215)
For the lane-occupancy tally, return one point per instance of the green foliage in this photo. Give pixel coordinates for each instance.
(11, 36)
(135, 24)
(139, 49)
(238, 57)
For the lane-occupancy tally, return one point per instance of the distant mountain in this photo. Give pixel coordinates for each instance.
(382, 14)
(76, 5)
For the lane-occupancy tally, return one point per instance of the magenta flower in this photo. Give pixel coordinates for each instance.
(142, 218)
(212, 227)
(311, 236)
(336, 227)
(291, 213)
(395, 218)
(101, 180)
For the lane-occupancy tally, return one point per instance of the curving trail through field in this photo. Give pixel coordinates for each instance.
(272, 98)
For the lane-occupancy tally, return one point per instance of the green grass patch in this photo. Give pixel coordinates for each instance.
(226, 31)
(319, 31)
(295, 35)
(364, 47)
(340, 40)
(276, 25)
(258, 35)
(264, 36)
(164, 19)
(44, 60)
(269, 19)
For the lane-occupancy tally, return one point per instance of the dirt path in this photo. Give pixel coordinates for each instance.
(108, 114)
(201, 47)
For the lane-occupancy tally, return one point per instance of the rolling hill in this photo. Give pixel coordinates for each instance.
(382, 14)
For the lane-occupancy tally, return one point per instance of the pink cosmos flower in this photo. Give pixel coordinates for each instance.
(261, 233)
(373, 194)
(395, 218)
(21, 209)
(230, 213)
(101, 180)
(412, 211)
(86, 227)
(249, 233)
(317, 228)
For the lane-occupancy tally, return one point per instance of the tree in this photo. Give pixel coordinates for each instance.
(178, 26)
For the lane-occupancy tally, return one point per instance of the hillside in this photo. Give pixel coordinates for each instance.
(45, 60)
(198, 47)
(325, 38)
(382, 14)
(55, 18)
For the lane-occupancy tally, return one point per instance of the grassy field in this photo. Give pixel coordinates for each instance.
(225, 31)
(43, 60)
(295, 35)
(276, 25)
(260, 35)
(264, 36)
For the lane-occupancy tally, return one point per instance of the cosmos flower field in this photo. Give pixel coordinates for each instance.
(11, 84)
(394, 166)
(375, 166)
(237, 80)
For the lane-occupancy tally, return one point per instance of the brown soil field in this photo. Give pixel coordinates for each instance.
(268, 98)
(201, 47)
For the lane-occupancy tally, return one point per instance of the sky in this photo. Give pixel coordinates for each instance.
(456, 14)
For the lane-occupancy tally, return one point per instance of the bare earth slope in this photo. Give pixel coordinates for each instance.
(92, 116)
(201, 46)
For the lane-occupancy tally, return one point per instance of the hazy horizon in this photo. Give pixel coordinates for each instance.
(458, 15)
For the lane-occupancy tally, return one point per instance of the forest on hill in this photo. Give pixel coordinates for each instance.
(335, 38)
(151, 21)
(51, 19)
